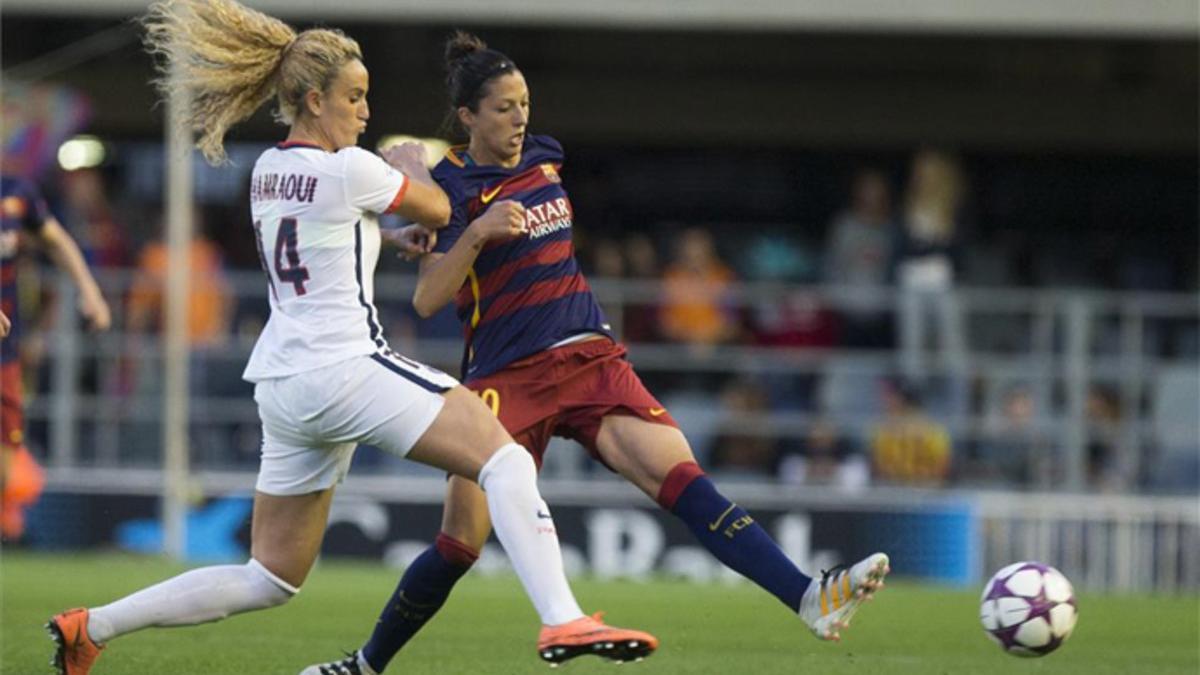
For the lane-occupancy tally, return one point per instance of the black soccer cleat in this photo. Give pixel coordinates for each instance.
(347, 666)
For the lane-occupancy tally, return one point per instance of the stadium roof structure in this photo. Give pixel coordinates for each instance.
(1147, 18)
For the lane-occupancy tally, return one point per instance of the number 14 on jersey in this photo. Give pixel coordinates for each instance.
(288, 269)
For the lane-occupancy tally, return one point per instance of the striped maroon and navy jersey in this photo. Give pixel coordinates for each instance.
(525, 295)
(21, 209)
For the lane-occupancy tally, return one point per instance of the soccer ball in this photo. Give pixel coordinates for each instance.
(1028, 609)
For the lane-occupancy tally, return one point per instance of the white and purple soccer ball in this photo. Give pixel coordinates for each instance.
(1028, 609)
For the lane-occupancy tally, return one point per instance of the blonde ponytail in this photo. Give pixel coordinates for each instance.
(231, 59)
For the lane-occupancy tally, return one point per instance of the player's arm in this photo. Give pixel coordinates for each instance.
(423, 201)
(66, 255)
(442, 274)
(413, 241)
(5, 325)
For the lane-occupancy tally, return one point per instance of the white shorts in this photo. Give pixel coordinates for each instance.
(313, 421)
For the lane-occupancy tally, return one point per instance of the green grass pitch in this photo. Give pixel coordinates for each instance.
(489, 627)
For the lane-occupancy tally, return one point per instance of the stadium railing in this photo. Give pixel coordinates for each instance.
(1057, 345)
(94, 413)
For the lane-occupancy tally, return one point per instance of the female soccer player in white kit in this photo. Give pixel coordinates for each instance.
(325, 379)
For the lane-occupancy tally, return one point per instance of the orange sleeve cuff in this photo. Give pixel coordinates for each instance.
(396, 201)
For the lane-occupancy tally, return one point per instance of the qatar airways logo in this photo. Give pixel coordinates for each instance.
(548, 218)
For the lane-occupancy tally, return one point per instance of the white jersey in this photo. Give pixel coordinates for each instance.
(315, 217)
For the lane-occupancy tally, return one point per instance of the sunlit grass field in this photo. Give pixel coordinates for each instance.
(489, 627)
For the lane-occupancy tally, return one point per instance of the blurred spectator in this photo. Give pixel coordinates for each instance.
(606, 263)
(736, 449)
(212, 372)
(641, 316)
(607, 259)
(88, 213)
(1105, 466)
(696, 309)
(778, 256)
(641, 257)
(826, 458)
(926, 253)
(209, 301)
(858, 252)
(1014, 451)
(908, 447)
(793, 319)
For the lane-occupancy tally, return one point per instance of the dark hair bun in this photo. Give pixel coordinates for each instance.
(461, 45)
(470, 65)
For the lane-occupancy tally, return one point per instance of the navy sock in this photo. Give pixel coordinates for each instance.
(420, 594)
(730, 534)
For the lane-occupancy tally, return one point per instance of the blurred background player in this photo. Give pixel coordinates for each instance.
(541, 354)
(325, 377)
(25, 218)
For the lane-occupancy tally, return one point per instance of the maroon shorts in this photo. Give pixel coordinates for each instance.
(12, 413)
(567, 392)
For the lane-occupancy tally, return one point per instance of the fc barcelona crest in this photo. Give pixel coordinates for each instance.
(551, 174)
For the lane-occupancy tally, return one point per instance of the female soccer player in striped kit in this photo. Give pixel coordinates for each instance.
(539, 352)
(325, 378)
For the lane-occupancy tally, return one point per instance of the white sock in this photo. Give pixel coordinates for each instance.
(198, 596)
(509, 479)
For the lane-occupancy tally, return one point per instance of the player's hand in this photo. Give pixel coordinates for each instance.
(503, 221)
(413, 241)
(5, 325)
(95, 311)
(407, 158)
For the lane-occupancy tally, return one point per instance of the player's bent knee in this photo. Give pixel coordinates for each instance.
(270, 589)
(508, 465)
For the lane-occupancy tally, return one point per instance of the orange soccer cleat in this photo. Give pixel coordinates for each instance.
(589, 635)
(75, 651)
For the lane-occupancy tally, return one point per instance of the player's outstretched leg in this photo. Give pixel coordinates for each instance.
(74, 651)
(657, 458)
(199, 596)
(286, 534)
(832, 600)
